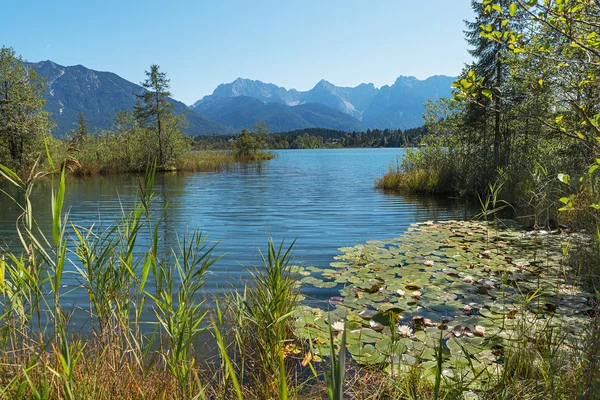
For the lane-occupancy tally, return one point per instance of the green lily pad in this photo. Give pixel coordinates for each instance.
(485, 283)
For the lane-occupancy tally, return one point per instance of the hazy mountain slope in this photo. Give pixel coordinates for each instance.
(266, 92)
(401, 105)
(99, 95)
(244, 111)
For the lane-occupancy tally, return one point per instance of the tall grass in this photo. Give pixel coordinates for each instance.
(207, 161)
(261, 315)
(115, 279)
(334, 378)
(427, 170)
(190, 161)
(202, 161)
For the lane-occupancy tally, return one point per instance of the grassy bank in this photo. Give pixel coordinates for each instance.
(90, 161)
(424, 170)
(215, 161)
(415, 181)
(192, 161)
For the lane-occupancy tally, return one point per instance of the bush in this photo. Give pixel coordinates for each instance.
(427, 170)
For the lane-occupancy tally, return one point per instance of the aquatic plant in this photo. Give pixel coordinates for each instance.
(261, 316)
(475, 292)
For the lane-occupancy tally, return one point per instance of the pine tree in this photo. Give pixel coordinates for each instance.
(489, 66)
(155, 108)
(81, 131)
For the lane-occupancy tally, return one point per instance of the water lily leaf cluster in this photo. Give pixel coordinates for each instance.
(476, 287)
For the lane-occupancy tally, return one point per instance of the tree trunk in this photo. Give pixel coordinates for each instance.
(160, 144)
(497, 104)
(159, 128)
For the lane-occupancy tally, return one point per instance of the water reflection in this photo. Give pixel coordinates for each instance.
(435, 207)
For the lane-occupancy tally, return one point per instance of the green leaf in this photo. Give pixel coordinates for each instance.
(465, 84)
(49, 157)
(11, 176)
(512, 9)
(57, 206)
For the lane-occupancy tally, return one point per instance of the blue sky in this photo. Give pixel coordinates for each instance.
(201, 43)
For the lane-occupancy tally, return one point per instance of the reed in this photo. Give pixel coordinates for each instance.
(413, 174)
(208, 161)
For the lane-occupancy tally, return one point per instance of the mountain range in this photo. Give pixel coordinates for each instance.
(399, 106)
(243, 102)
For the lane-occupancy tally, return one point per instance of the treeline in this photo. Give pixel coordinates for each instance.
(148, 135)
(315, 138)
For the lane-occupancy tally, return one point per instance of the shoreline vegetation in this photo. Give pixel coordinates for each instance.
(148, 135)
(194, 161)
(518, 128)
(521, 135)
(319, 138)
(409, 174)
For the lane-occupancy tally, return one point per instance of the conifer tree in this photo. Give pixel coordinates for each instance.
(154, 108)
(490, 67)
(82, 129)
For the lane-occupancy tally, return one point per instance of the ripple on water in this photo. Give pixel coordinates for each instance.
(323, 198)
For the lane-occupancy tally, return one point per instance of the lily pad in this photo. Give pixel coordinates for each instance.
(481, 283)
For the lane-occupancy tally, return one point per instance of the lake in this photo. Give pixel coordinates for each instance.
(325, 199)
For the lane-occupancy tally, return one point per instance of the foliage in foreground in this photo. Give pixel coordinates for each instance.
(467, 299)
(146, 317)
(525, 112)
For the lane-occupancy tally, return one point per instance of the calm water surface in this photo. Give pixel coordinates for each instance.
(323, 198)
